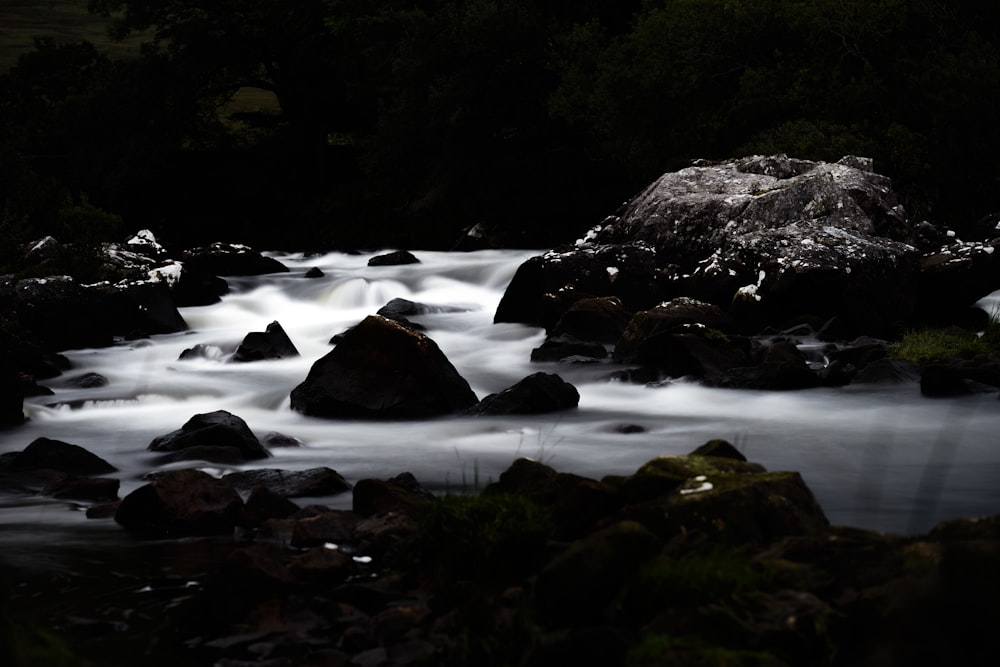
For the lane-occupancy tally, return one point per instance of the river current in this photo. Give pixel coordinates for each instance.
(882, 458)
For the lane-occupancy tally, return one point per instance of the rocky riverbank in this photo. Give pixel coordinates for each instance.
(704, 559)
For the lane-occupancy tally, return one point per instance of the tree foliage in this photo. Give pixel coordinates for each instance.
(421, 117)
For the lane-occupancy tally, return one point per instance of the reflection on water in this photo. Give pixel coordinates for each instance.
(881, 458)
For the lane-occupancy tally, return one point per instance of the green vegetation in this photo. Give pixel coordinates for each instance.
(929, 345)
(489, 538)
(346, 122)
(656, 649)
(694, 579)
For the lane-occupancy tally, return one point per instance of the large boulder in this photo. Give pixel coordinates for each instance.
(228, 259)
(777, 236)
(382, 369)
(59, 313)
(215, 436)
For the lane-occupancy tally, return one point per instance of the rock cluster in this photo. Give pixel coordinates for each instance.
(699, 559)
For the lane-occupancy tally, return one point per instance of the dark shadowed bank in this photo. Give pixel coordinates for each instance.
(704, 559)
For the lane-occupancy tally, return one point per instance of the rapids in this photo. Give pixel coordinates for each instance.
(881, 458)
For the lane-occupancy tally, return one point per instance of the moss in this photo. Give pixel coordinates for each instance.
(694, 579)
(929, 345)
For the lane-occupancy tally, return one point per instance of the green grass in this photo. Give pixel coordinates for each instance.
(65, 20)
(929, 345)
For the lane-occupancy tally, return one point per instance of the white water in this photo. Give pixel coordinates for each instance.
(879, 458)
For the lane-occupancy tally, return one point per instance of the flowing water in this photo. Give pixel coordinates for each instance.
(882, 458)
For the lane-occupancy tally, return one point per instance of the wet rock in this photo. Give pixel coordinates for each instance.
(382, 370)
(179, 503)
(566, 348)
(395, 258)
(45, 453)
(272, 343)
(11, 391)
(601, 320)
(536, 394)
(88, 381)
(219, 429)
(720, 449)
(953, 278)
(779, 366)
(226, 259)
(201, 351)
(291, 483)
(399, 494)
(274, 439)
(196, 287)
(62, 314)
(888, 371)
(314, 272)
(958, 378)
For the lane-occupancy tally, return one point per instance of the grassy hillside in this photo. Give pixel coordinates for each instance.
(66, 20)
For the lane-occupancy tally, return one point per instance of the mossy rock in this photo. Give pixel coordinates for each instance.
(580, 584)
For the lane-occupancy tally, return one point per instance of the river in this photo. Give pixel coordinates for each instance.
(882, 458)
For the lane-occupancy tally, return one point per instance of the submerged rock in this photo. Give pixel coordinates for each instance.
(382, 369)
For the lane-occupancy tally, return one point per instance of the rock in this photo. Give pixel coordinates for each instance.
(601, 320)
(291, 483)
(575, 503)
(888, 371)
(780, 366)
(787, 237)
(401, 494)
(577, 586)
(401, 310)
(88, 381)
(273, 343)
(219, 429)
(197, 287)
(144, 243)
(565, 347)
(698, 352)
(179, 503)
(62, 314)
(11, 390)
(394, 259)
(332, 526)
(957, 378)
(720, 449)
(953, 278)
(725, 500)
(263, 504)
(627, 272)
(57, 455)
(536, 394)
(314, 272)
(383, 370)
(201, 351)
(682, 337)
(225, 259)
